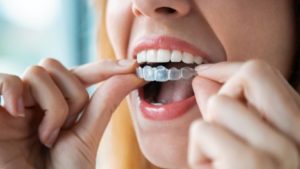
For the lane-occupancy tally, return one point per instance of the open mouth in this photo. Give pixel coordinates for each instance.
(169, 93)
(169, 73)
(167, 64)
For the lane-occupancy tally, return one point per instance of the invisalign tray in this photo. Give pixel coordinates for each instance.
(162, 74)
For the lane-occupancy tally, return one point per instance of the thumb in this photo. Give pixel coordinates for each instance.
(203, 89)
(102, 104)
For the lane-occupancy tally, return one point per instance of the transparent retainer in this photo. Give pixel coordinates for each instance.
(162, 74)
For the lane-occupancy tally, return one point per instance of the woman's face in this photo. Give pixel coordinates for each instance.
(231, 30)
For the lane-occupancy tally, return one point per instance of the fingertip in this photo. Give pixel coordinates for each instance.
(203, 67)
(127, 62)
(48, 138)
(15, 107)
(48, 131)
(10, 105)
(52, 138)
(20, 108)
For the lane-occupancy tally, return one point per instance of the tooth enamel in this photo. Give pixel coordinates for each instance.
(151, 56)
(163, 56)
(142, 57)
(174, 74)
(187, 58)
(161, 74)
(157, 104)
(176, 56)
(198, 60)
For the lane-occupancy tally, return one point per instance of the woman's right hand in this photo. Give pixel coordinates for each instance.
(39, 119)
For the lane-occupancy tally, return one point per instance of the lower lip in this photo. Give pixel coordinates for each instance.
(165, 112)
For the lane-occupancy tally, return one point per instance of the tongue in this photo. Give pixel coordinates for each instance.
(174, 91)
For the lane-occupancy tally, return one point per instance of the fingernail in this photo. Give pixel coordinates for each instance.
(20, 108)
(203, 67)
(126, 62)
(52, 138)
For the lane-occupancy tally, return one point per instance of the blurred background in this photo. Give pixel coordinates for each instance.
(31, 30)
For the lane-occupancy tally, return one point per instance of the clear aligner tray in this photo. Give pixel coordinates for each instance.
(162, 74)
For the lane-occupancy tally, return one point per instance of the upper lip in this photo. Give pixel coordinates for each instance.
(170, 43)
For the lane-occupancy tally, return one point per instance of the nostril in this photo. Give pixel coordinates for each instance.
(165, 10)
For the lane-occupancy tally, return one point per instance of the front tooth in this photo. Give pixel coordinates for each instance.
(163, 55)
(151, 56)
(176, 56)
(142, 57)
(187, 58)
(198, 60)
(157, 104)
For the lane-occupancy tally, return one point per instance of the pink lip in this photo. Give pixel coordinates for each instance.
(168, 43)
(165, 112)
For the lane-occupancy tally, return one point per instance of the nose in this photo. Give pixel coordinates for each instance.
(161, 8)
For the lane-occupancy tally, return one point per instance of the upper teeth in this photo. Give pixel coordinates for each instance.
(164, 56)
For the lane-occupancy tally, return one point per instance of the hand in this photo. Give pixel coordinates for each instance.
(252, 121)
(41, 122)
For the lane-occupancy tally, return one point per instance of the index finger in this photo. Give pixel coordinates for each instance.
(223, 71)
(96, 72)
(219, 72)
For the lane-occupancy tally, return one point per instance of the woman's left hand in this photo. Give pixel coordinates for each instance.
(252, 120)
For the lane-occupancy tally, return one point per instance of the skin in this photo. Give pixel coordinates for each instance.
(227, 29)
(41, 107)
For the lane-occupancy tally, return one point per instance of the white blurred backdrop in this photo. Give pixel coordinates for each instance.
(31, 30)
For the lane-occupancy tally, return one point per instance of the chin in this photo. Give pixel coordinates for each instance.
(165, 150)
(163, 142)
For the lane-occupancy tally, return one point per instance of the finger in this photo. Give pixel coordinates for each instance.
(225, 111)
(96, 72)
(209, 142)
(50, 100)
(74, 92)
(265, 90)
(104, 101)
(12, 90)
(223, 71)
(219, 72)
(203, 89)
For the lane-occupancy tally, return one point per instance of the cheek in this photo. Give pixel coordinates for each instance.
(118, 25)
(253, 29)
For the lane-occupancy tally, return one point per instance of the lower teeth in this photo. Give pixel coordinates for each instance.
(162, 74)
